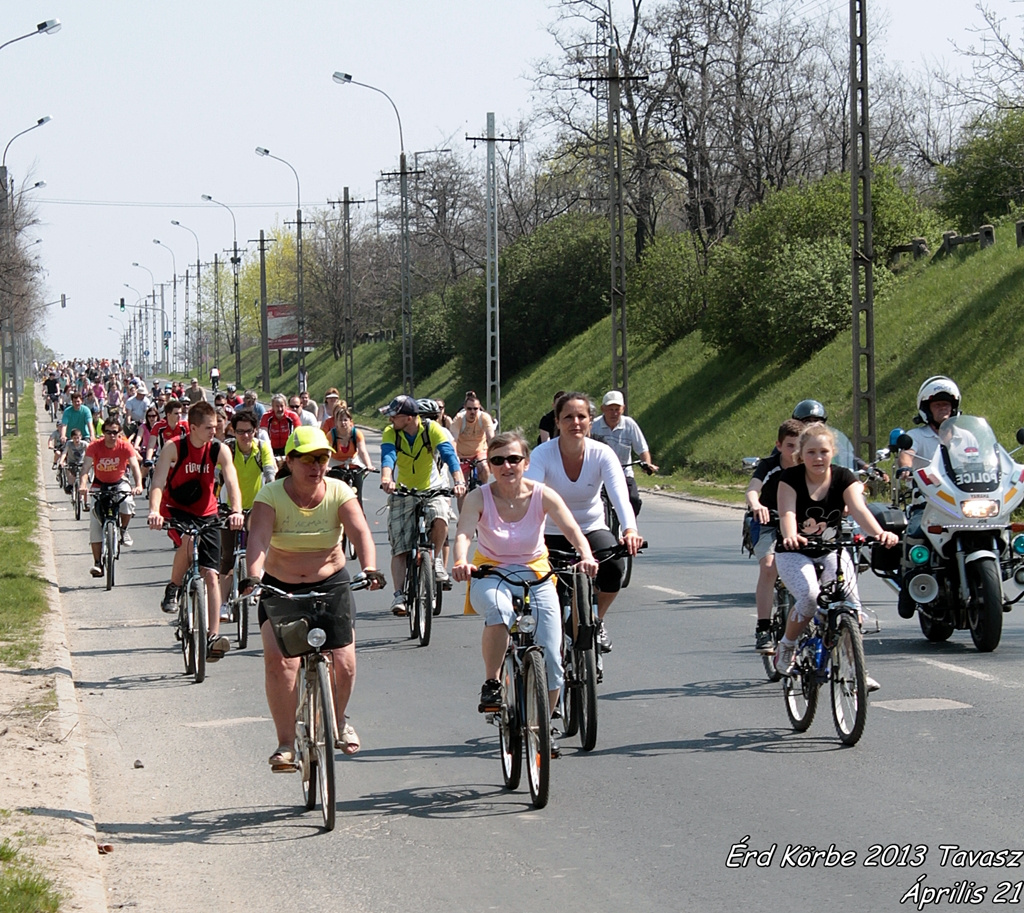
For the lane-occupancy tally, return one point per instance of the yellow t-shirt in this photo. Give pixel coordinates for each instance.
(297, 529)
(250, 470)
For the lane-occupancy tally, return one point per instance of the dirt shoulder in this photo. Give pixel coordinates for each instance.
(45, 800)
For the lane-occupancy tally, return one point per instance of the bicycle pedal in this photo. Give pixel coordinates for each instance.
(447, 585)
(490, 709)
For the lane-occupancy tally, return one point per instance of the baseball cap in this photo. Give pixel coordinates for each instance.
(613, 398)
(400, 405)
(307, 439)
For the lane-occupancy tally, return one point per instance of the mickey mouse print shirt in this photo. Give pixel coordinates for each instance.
(819, 518)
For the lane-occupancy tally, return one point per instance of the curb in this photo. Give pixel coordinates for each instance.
(90, 893)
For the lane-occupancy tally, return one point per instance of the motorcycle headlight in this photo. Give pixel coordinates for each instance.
(527, 624)
(919, 554)
(979, 508)
(1018, 545)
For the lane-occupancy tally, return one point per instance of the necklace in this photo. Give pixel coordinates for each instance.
(309, 505)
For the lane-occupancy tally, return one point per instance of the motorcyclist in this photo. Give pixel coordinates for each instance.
(810, 410)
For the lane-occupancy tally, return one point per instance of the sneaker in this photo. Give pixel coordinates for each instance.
(96, 570)
(872, 684)
(556, 749)
(126, 539)
(225, 612)
(398, 606)
(763, 642)
(784, 657)
(604, 642)
(490, 696)
(216, 646)
(440, 574)
(170, 603)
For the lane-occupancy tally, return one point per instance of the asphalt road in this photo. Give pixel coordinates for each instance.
(695, 757)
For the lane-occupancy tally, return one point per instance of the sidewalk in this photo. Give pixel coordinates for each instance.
(46, 797)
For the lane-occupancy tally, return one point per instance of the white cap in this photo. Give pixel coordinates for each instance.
(613, 398)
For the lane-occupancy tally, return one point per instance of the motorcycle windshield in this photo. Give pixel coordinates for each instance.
(970, 453)
(845, 455)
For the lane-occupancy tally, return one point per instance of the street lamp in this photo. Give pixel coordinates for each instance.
(174, 301)
(38, 123)
(407, 384)
(301, 313)
(156, 342)
(234, 265)
(140, 325)
(199, 315)
(44, 28)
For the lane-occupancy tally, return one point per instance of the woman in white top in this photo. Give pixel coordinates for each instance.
(576, 467)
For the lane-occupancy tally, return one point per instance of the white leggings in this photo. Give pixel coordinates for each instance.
(798, 573)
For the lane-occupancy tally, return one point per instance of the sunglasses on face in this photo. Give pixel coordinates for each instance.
(310, 458)
(513, 459)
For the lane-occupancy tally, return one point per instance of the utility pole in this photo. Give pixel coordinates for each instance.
(216, 312)
(862, 241)
(265, 342)
(493, 309)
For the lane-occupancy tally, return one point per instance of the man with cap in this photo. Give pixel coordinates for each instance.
(624, 436)
(407, 451)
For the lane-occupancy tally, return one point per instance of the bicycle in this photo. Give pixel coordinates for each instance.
(296, 620)
(353, 477)
(782, 605)
(107, 502)
(831, 650)
(422, 591)
(241, 606)
(582, 665)
(611, 519)
(73, 477)
(193, 623)
(524, 695)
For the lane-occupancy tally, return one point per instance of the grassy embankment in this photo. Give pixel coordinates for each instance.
(703, 412)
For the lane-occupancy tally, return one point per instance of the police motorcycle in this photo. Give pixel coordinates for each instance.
(960, 545)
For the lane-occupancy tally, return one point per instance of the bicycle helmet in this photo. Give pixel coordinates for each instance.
(809, 410)
(427, 408)
(937, 388)
(231, 388)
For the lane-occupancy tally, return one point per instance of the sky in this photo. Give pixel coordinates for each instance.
(154, 104)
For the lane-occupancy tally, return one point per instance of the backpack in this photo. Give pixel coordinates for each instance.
(334, 437)
(425, 424)
(190, 491)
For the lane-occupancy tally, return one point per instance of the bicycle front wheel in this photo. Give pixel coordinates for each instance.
(200, 626)
(411, 584)
(586, 664)
(324, 744)
(76, 498)
(425, 585)
(538, 728)
(849, 682)
(800, 690)
(306, 717)
(510, 735)
(109, 550)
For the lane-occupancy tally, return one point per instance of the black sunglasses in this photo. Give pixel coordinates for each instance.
(513, 460)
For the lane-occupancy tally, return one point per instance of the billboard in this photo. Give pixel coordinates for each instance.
(282, 326)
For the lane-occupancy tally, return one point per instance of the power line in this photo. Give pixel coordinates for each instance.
(151, 205)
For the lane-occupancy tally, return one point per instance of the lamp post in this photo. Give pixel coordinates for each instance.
(199, 314)
(407, 366)
(139, 322)
(300, 310)
(152, 282)
(42, 120)
(44, 28)
(6, 203)
(174, 304)
(234, 266)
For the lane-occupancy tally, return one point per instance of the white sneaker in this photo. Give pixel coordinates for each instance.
(126, 539)
(96, 570)
(440, 574)
(784, 657)
(871, 684)
(225, 612)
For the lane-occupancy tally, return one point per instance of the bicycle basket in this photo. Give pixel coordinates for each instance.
(291, 621)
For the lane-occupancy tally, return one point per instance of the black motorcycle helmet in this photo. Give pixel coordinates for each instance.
(809, 410)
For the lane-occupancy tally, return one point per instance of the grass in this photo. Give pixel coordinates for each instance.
(22, 888)
(22, 591)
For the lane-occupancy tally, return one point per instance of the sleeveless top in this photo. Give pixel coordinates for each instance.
(190, 480)
(300, 529)
(518, 542)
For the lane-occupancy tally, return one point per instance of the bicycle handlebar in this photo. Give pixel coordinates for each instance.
(360, 582)
(426, 494)
(194, 525)
(493, 570)
(568, 558)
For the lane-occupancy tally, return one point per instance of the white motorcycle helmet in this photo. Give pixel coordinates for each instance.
(937, 387)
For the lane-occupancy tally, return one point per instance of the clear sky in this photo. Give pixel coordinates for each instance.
(157, 103)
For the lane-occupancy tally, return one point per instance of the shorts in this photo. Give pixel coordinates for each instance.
(609, 573)
(402, 531)
(209, 539)
(125, 509)
(765, 544)
(336, 615)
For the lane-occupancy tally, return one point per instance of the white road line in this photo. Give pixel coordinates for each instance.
(983, 676)
(237, 721)
(665, 589)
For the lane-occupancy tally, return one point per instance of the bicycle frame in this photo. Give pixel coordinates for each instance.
(422, 593)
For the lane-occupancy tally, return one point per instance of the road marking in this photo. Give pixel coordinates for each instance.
(238, 721)
(983, 676)
(665, 589)
(914, 705)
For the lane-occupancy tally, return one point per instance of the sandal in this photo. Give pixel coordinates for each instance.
(348, 742)
(282, 761)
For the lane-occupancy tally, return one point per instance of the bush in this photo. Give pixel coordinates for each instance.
(667, 294)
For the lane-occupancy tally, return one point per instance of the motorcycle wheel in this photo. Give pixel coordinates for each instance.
(935, 631)
(986, 611)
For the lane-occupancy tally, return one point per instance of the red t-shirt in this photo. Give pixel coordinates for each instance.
(109, 463)
(192, 473)
(278, 429)
(165, 433)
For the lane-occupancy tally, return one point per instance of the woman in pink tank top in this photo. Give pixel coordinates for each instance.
(508, 518)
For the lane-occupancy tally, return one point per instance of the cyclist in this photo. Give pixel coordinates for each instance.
(306, 418)
(170, 428)
(73, 456)
(576, 466)
(407, 453)
(279, 423)
(623, 435)
(142, 437)
(220, 401)
(813, 496)
(254, 467)
(214, 378)
(761, 501)
(508, 518)
(472, 429)
(332, 399)
(51, 386)
(234, 400)
(548, 427)
(182, 489)
(110, 459)
(294, 544)
(250, 400)
(194, 393)
(137, 405)
(348, 443)
(77, 416)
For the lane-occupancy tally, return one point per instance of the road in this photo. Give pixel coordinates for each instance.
(695, 756)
